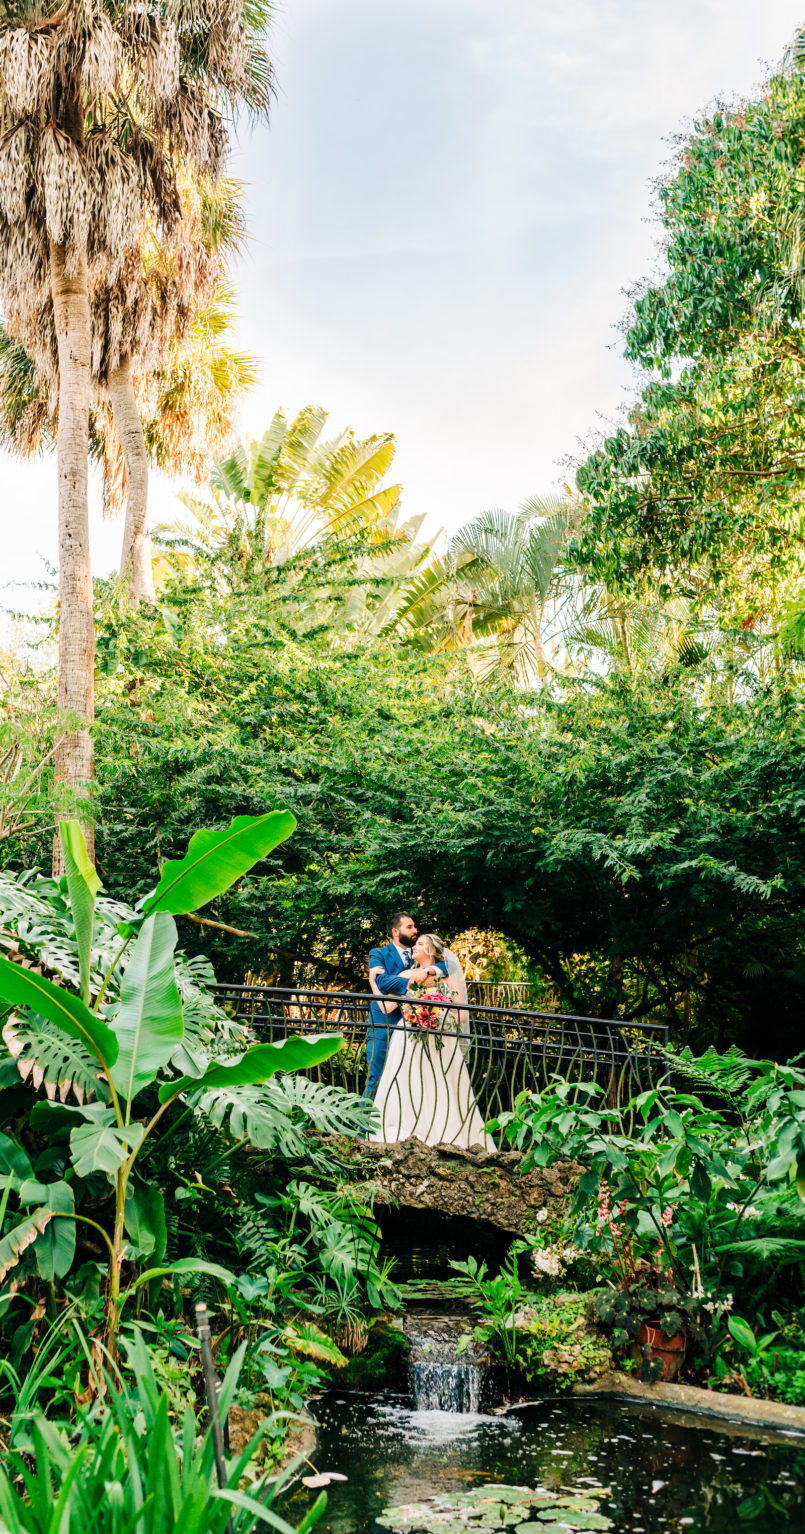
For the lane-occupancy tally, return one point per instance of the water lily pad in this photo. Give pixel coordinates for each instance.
(497, 1510)
(573, 1518)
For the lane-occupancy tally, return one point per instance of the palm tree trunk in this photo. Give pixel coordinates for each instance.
(135, 562)
(74, 757)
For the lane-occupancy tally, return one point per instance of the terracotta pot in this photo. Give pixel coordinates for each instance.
(669, 1350)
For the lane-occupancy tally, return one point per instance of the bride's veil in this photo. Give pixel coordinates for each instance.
(459, 979)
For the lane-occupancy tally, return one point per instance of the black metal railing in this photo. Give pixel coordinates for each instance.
(443, 1083)
(510, 993)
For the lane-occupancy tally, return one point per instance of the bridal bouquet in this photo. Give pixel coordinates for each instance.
(436, 1020)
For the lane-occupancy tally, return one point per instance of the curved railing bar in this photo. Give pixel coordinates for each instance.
(507, 1050)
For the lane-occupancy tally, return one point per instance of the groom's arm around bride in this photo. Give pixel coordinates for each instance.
(391, 968)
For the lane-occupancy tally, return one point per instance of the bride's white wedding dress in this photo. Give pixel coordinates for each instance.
(425, 1091)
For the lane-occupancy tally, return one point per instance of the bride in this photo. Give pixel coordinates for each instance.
(425, 1089)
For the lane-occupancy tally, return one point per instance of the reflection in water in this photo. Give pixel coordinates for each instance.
(660, 1475)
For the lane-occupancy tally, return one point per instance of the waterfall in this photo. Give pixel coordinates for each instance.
(441, 1381)
(442, 1386)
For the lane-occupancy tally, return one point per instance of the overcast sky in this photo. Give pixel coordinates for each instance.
(445, 211)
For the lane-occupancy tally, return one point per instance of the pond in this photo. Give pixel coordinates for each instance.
(655, 1473)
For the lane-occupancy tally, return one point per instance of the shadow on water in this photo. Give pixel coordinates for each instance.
(657, 1474)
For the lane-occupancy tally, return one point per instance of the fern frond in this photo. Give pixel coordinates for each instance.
(723, 1076)
(782, 1249)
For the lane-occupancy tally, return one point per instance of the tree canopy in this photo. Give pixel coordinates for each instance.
(701, 490)
(631, 838)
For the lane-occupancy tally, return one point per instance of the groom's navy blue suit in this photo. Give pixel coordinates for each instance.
(391, 982)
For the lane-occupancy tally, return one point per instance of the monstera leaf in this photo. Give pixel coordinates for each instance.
(103, 1147)
(148, 1022)
(22, 988)
(215, 859)
(258, 1063)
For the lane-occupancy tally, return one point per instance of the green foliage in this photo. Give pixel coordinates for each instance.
(701, 491)
(778, 1373)
(686, 1203)
(627, 836)
(498, 1298)
(544, 1337)
(122, 1467)
(148, 1023)
(134, 1047)
(22, 988)
(258, 1063)
(31, 727)
(215, 860)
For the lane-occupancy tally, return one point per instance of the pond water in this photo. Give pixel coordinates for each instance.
(655, 1473)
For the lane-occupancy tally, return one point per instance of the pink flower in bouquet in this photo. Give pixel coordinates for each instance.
(426, 1017)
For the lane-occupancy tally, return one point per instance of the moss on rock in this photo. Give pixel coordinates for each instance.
(384, 1360)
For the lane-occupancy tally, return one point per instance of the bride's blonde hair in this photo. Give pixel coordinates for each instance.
(435, 945)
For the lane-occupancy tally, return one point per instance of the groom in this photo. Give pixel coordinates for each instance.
(392, 968)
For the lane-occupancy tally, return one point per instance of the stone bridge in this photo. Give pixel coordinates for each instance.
(478, 1185)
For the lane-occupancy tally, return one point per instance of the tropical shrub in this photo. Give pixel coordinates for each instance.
(690, 1196)
(780, 1375)
(498, 1298)
(630, 835)
(131, 1062)
(546, 1337)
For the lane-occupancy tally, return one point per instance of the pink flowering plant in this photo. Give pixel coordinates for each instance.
(692, 1194)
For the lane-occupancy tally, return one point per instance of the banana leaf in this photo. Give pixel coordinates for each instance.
(215, 859)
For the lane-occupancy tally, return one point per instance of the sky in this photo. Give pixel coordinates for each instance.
(445, 212)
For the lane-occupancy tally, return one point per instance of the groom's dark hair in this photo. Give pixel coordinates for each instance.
(394, 921)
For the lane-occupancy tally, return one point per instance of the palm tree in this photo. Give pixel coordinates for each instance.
(181, 289)
(649, 636)
(187, 406)
(497, 587)
(281, 495)
(185, 400)
(101, 105)
(309, 523)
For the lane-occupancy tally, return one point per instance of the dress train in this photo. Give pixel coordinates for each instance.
(425, 1092)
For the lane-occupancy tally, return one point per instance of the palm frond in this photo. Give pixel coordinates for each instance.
(785, 1250)
(263, 455)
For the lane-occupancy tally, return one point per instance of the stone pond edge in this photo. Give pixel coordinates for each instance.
(707, 1403)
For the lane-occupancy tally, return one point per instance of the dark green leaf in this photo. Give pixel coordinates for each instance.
(260, 1062)
(148, 1023)
(22, 988)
